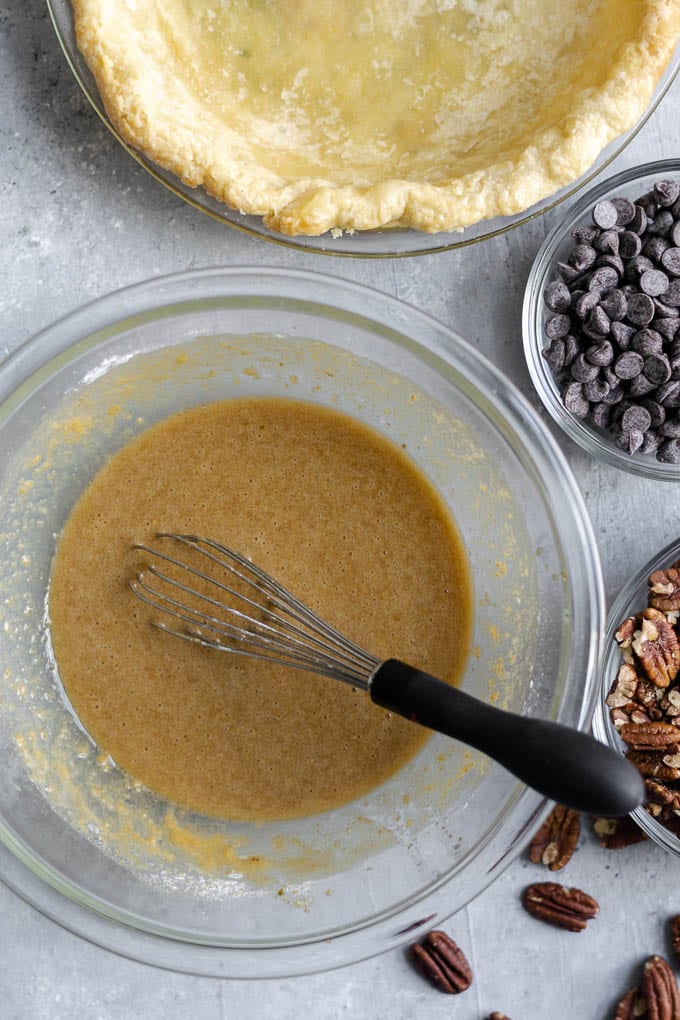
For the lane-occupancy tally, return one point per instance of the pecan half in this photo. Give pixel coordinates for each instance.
(662, 795)
(560, 906)
(674, 934)
(650, 736)
(655, 765)
(617, 833)
(622, 691)
(555, 841)
(660, 990)
(656, 646)
(664, 588)
(632, 1005)
(442, 962)
(624, 635)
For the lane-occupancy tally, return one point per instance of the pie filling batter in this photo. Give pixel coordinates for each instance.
(323, 114)
(336, 512)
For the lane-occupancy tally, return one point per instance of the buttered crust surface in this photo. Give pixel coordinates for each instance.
(321, 114)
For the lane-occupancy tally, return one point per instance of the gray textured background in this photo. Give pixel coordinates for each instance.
(78, 217)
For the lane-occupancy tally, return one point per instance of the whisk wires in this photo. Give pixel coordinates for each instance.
(223, 601)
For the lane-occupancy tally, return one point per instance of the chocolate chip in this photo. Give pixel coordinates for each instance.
(599, 321)
(667, 192)
(623, 334)
(603, 278)
(670, 429)
(667, 327)
(605, 214)
(595, 390)
(625, 211)
(571, 348)
(586, 303)
(567, 272)
(641, 386)
(582, 257)
(639, 222)
(654, 282)
(669, 452)
(655, 247)
(628, 365)
(669, 393)
(557, 296)
(636, 266)
(554, 355)
(615, 304)
(636, 419)
(657, 413)
(557, 326)
(630, 441)
(574, 401)
(614, 262)
(640, 309)
(657, 368)
(585, 234)
(662, 223)
(600, 414)
(630, 244)
(675, 230)
(663, 310)
(650, 444)
(671, 297)
(649, 203)
(606, 242)
(583, 371)
(647, 341)
(600, 354)
(670, 260)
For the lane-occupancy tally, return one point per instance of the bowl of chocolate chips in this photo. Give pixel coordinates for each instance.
(601, 321)
(638, 712)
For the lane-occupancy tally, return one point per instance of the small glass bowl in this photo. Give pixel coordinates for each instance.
(632, 599)
(598, 442)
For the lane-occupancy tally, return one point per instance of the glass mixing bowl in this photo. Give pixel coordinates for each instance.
(365, 244)
(115, 863)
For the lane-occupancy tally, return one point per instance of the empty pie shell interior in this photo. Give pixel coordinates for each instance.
(321, 115)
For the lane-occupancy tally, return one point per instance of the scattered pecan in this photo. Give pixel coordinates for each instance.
(560, 906)
(497, 1016)
(442, 962)
(632, 1005)
(660, 990)
(664, 588)
(650, 736)
(657, 648)
(617, 833)
(555, 841)
(674, 933)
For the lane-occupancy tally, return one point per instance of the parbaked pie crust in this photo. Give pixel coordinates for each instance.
(356, 114)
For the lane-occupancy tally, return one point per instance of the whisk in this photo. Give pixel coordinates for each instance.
(221, 600)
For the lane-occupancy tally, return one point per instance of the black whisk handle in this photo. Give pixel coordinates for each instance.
(564, 764)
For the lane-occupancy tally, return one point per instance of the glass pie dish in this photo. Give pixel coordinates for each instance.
(529, 202)
(117, 864)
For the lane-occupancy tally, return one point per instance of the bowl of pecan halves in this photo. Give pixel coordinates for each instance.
(639, 710)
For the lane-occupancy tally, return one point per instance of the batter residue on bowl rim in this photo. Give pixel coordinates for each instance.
(335, 511)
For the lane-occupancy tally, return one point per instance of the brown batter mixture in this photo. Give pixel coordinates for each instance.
(333, 510)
